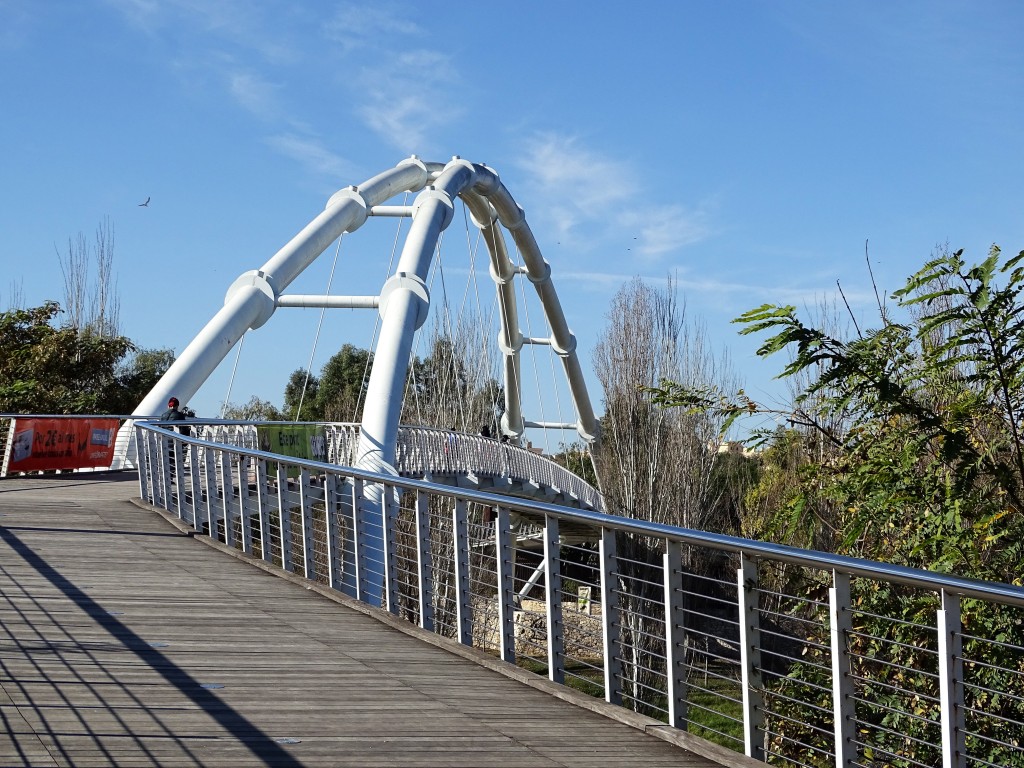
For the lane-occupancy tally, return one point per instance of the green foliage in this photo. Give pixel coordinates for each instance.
(136, 375)
(904, 446)
(254, 410)
(925, 470)
(49, 369)
(577, 459)
(342, 386)
(300, 397)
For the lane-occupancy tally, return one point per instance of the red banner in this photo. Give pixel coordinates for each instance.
(38, 444)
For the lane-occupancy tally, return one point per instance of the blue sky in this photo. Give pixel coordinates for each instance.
(750, 148)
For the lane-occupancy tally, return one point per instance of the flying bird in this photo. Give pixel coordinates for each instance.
(145, 204)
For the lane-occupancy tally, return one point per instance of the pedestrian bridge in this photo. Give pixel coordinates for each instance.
(125, 641)
(766, 650)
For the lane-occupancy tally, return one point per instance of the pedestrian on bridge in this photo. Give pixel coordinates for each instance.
(173, 414)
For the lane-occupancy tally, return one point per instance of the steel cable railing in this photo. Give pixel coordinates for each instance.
(799, 670)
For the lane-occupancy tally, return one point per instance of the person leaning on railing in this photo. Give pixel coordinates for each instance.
(173, 414)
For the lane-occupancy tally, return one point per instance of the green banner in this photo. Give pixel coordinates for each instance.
(303, 441)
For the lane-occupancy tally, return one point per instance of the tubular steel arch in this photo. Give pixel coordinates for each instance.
(404, 299)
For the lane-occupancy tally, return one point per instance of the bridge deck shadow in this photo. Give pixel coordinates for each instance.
(124, 642)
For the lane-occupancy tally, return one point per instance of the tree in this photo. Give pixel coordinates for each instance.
(925, 468)
(448, 388)
(91, 300)
(300, 396)
(341, 390)
(46, 369)
(654, 464)
(253, 410)
(136, 375)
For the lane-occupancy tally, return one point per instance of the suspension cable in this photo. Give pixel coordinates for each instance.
(231, 381)
(319, 325)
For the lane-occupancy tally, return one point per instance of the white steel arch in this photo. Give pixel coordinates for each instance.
(404, 299)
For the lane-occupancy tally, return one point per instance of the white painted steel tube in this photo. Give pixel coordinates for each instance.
(330, 302)
(243, 309)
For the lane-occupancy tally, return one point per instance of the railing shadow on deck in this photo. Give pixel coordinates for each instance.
(263, 748)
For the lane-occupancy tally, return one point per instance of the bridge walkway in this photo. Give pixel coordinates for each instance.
(124, 641)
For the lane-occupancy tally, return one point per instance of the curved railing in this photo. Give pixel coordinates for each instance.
(424, 452)
(774, 651)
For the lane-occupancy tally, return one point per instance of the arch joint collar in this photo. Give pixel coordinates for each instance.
(403, 282)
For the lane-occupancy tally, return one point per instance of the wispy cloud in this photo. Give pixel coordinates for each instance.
(360, 26)
(664, 229)
(254, 93)
(589, 198)
(409, 99)
(405, 97)
(312, 155)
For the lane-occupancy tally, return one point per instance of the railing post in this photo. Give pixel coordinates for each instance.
(284, 516)
(611, 629)
(245, 503)
(176, 472)
(389, 516)
(843, 703)
(263, 509)
(951, 682)
(505, 568)
(424, 563)
(357, 537)
(227, 485)
(676, 672)
(165, 471)
(210, 484)
(331, 530)
(460, 558)
(750, 658)
(194, 485)
(553, 600)
(306, 518)
(142, 453)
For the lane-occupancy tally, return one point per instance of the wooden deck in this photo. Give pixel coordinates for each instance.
(126, 642)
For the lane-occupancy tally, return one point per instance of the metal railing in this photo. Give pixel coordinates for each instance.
(794, 657)
(422, 452)
(425, 452)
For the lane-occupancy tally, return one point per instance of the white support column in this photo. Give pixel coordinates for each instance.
(553, 600)
(843, 703)
(951, 682)
(610, 626)
(676, 671)
(284, 511)
(404, 304)
(424, 563)
(750, 658)
(460, 558)
(504, 565)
